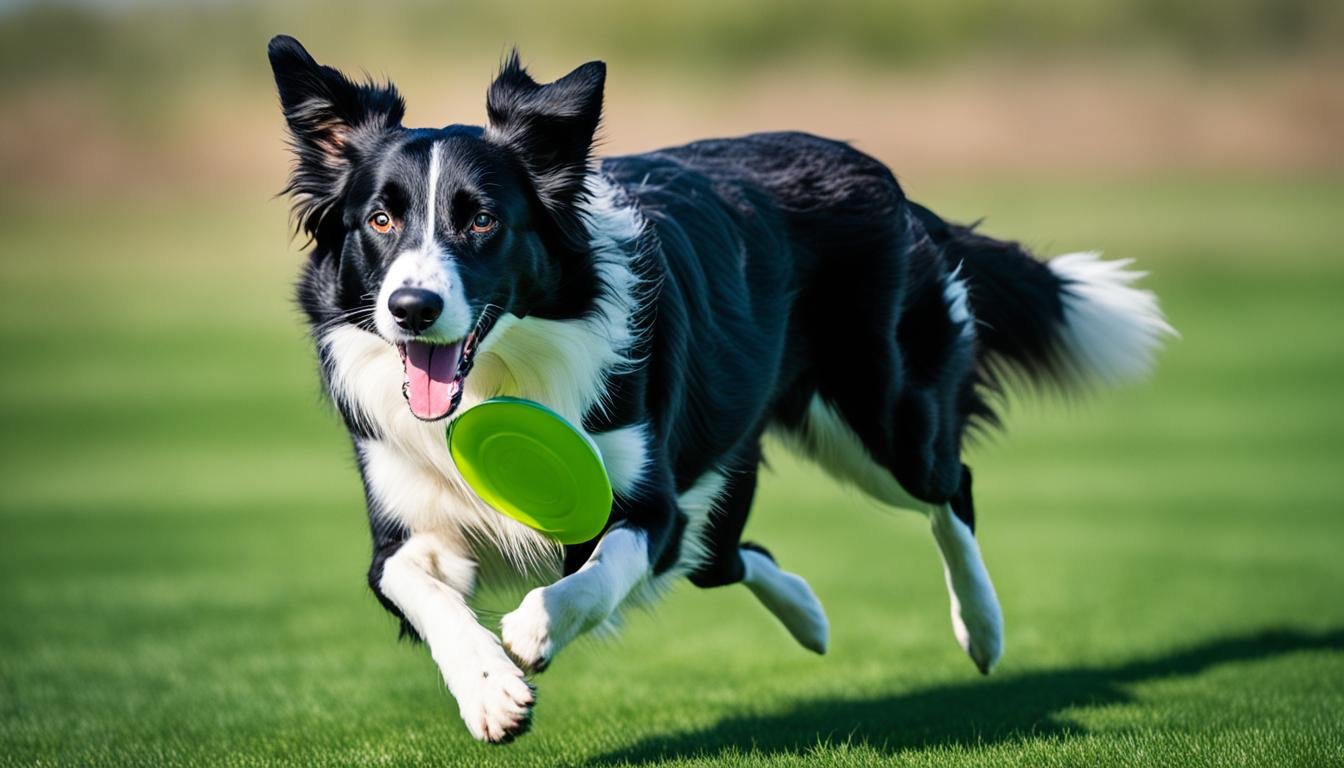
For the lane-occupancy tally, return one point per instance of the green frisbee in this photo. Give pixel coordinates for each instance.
(526, 461)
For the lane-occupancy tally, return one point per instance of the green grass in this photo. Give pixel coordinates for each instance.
(182, 540)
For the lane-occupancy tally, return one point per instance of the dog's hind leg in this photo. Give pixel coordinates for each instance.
(827, 437)
(977, 620)
(728, 560)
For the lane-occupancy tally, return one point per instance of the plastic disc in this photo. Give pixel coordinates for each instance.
(526, 461)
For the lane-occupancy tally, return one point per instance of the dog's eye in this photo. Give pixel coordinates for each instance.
(381, 222)
(483, 222)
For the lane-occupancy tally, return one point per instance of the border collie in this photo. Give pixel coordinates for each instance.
(676, 306)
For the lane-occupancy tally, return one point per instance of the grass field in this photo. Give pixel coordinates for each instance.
(182, 539)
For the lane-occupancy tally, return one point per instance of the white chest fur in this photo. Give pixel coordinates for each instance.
(407, 466)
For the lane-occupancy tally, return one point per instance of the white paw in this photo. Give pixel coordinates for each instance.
(528, 635)
(806, 619)
(545, 622)
(978, 625)
(526, 632)
(789, 598)
(977, 620)
(550, 617)
(495, 701)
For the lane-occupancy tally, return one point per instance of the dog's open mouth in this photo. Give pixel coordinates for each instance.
(432, 386)
(435, 372)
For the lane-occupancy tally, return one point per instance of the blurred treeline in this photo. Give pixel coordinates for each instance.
(166, 94)
(139, 46)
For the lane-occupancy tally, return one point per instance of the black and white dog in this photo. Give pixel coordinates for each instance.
(678, 305)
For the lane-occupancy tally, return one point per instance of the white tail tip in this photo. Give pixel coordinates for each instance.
(1112, 330)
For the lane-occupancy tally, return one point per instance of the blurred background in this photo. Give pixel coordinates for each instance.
(182, 537)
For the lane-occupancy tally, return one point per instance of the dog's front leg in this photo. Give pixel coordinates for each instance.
(550, 617)
(429, 581)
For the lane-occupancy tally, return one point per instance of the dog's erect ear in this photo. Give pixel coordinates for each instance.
(329, 119)
(550, 127)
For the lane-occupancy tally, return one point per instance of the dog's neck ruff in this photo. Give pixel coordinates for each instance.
(566, 364)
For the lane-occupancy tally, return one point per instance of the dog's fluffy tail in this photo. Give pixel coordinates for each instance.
(1070, 323)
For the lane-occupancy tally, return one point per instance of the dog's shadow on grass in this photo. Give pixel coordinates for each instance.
(979, 713)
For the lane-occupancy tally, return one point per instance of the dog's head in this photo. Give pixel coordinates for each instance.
(428, 235)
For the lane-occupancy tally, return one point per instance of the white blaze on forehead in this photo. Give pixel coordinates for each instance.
(431, 197)
(426, 266)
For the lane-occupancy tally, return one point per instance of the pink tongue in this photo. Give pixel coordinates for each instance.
(430, 369)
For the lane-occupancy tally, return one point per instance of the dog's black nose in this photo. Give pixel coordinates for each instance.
(415, 309)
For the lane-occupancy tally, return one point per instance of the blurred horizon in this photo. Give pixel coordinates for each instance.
(130, 97)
